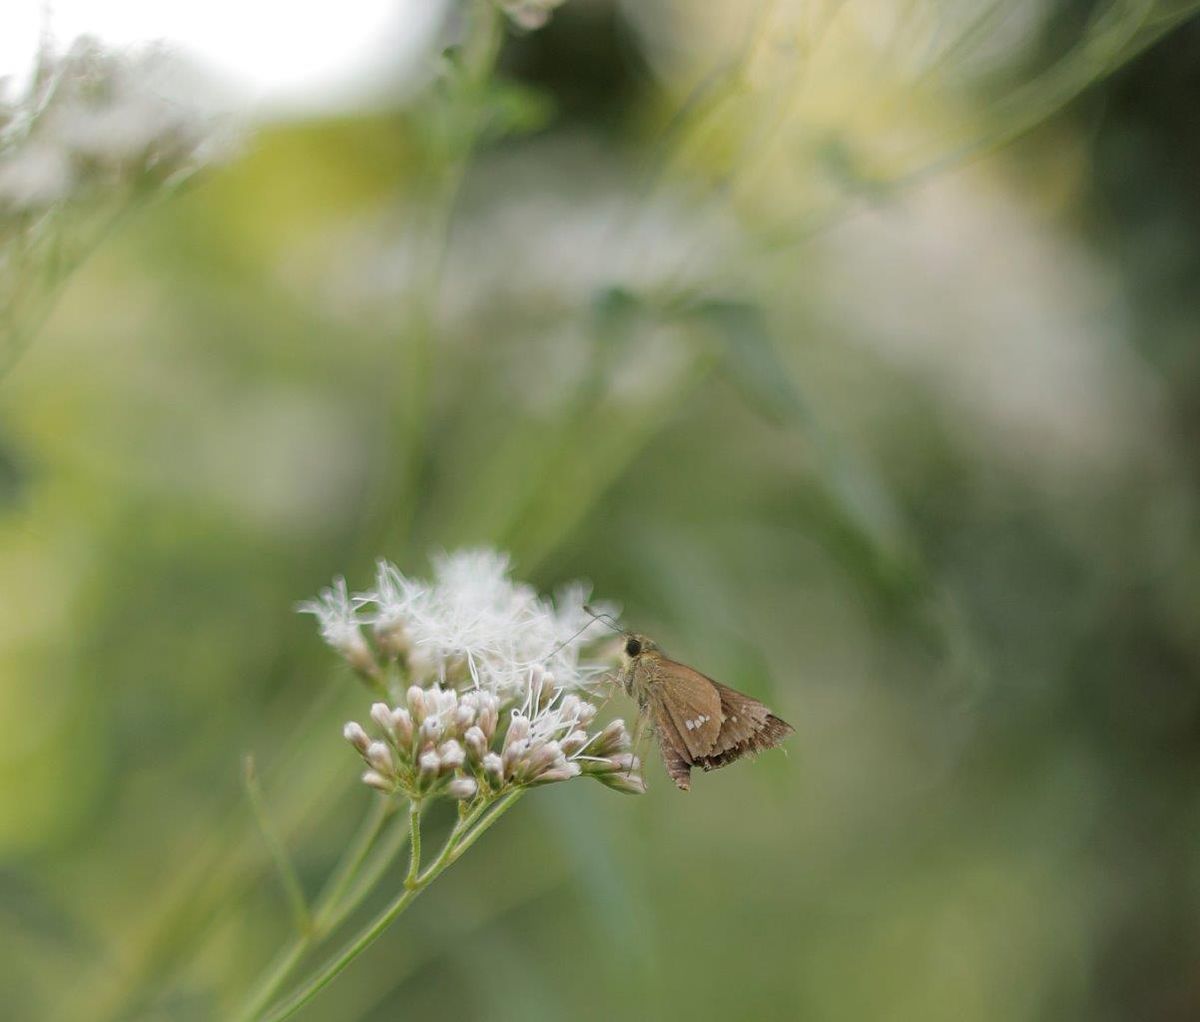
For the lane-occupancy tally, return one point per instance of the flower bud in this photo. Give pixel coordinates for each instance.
(518, 731)
(614, 738)
(624, 762)
(563, 772)
(543, 756)
(489, 718)
(382, 715)
(628, 784)
(380, 757)
(452, 756)
(356, 736)
(416, 703)
(514, 753)
(574, 742)
(402, 727)
(432, 730)
(377, 781)
(493, 768)
(462, 788)
(429, 764)
(476, 744)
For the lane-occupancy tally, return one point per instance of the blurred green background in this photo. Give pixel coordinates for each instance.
(845, 402)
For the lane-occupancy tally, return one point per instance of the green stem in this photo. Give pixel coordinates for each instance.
(330, 908)
(460, 839)
(397, 502)
(414, 843)
(344, 872)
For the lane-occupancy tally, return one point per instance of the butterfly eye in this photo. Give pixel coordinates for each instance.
(633, 647)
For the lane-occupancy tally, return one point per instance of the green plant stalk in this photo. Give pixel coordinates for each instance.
(396, 503)
(331, 908)
(465, 833)
(414, 843)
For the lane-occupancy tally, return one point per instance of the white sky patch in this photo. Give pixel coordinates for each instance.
(280, 57)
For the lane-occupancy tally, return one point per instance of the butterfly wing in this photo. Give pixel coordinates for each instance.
(749, 727)
(674, 752)
(693, 704)
(685, 709)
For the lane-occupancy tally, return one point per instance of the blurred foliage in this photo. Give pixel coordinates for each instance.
(925, 482)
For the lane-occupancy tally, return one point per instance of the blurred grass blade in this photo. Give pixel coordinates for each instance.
(749, 356)
(283, 863)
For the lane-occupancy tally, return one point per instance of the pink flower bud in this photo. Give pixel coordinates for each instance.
(356, 736)
(462, 788)
(416, 703)
(380, 757)
(402, 727)
(377, 781)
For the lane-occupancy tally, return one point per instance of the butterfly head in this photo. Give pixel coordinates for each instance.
(634, 646)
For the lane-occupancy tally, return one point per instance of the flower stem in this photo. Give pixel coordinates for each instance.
(460, 839)
(414, 843)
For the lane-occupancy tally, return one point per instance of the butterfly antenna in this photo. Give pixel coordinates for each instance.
(608, 619)
(571, 638)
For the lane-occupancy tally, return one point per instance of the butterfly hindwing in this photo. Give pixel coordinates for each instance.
(674, 752)
(749, 728)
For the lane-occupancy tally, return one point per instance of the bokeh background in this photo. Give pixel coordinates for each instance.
(851, 348)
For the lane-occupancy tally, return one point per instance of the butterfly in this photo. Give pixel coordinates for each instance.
(699, 722)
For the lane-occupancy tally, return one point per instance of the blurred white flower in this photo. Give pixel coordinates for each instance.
(33, 178)
(100, 120)
(1018, 329)
(93, 132)
(532, 264)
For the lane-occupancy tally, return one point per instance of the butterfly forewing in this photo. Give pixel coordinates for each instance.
(743, 718)
(749, 728)
(694, 705)
(674, 753)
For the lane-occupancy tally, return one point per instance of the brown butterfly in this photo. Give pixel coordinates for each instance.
(698, 721)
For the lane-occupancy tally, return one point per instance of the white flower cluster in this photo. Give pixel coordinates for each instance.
(483, 679)
(464, 746)
(92, 121)
(91, 135)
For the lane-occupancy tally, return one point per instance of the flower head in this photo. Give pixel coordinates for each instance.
(472, 625)
(496, 681)
(340, 626)
(460, 745)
